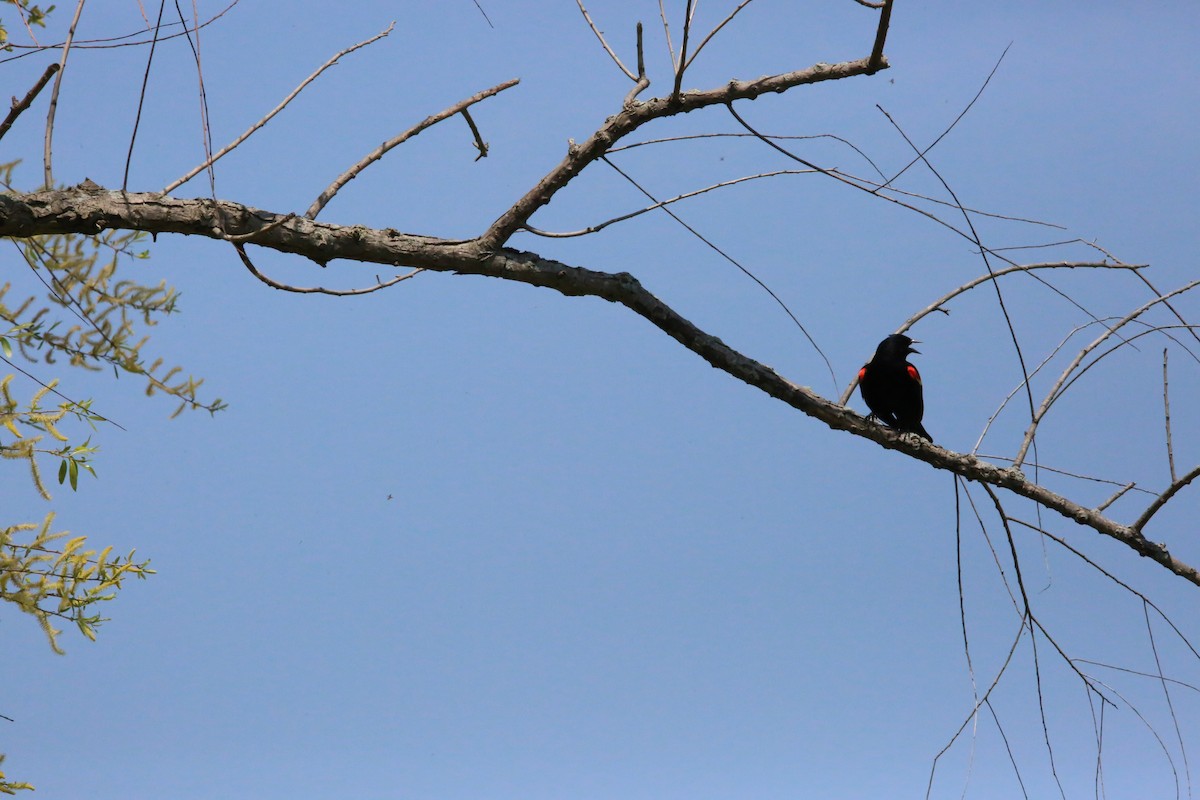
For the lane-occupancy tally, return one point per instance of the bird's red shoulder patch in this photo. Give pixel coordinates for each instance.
(912, 373)
(862, 373)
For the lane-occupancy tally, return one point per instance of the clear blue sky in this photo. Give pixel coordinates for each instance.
(607, 570)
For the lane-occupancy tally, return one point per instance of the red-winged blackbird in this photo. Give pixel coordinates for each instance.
(891, 387)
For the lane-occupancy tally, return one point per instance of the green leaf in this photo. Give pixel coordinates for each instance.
(6, 347)
(74, 471)
(62, 472)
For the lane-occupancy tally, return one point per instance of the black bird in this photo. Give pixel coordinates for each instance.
(891, 387)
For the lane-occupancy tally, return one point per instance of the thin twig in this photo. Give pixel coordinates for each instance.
(1141, 596)
(1167, 420)
(683, 49)
(714, 31)
(1139, 673)
(1150, 329)
(205, 127)
(731, 260)
(735, 135)
(1171, 308)
(1027, 606)
(622, 218)
(378, 152)
(317, 289)
(137, 119)
(62, 64)
(103, 44)
(604, 42)
(75, 405)
(1056, 390)
(975, 709)
(662, 13)
(1187, 770)
(858, 183)
(1125, 487)
(1117, 495)
(283, 104)
(642, 81)
(246, 237)
(921, 154)
(28, 29)
(962, 606)
(1012, 759)
(1051, 355)
(485, 16)
(19, 107)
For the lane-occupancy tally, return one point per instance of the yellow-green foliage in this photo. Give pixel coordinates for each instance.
(33, 418)
(7, 787)
(52, 577)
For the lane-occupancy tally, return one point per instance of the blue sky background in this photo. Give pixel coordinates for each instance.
(608, 570)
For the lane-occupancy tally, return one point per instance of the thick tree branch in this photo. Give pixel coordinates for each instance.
(89, 209)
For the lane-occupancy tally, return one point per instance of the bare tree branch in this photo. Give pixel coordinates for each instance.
(84, 210)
